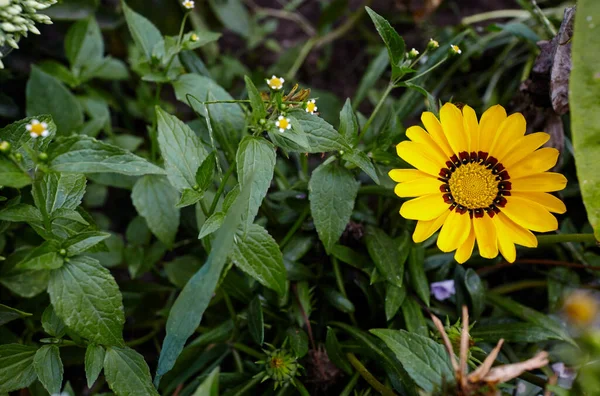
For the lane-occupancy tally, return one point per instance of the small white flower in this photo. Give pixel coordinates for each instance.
(311, 106)
(189, 4)
(283, 124)
(275, 82)
(413, 53)
(37, 129)
(194, 37)
(455, 49)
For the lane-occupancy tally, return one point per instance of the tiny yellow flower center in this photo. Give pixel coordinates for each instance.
(275, 82)
(473, 186)
(310, 106)
(38, 129)
(276, 362)
(283, 123)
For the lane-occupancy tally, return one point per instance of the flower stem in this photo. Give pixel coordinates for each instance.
(215, 201)
(561, 238)
(520, 285)
(428, 70)
(295, 227)
(375, 384)
(377, 108)
(248, 351)
(351, 384)
(340, 284)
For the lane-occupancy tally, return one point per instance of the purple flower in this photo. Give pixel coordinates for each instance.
(563, 371)
(443, 290)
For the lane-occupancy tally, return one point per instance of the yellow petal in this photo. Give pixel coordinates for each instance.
(529, 214)
(416, 155)
(402, 175)
(455, 231)
(485, 232)
(471, 128)
(452, 123)
(426, 228)
(426, 207)
(511, 130)
(546, 182)
(415, 188)
(538, 162)
(464, 251)
(488, 126)
(517, 234)
(433, 126)
(507, 248)
(418, 135)
(548, 201)
(524, 147)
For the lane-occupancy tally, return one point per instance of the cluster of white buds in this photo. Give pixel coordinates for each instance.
(18, 17)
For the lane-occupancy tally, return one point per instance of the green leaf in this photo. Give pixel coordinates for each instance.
(338, 301)
(46, 95)
(94, 362)
(44, 256)
(181, 148)
(127, 373)
(84, 46)
(109, 69)
(233, 15)
(206, 172)
(394, 297)
(11, 175)
(298, 341)
(476, 291)
(258, 106)
(392, 40)
(256, 323)
(180, 270)
(361, 160)
(8, 314)
(145, 35)
(416, 269)
(372, 75)
(16, 367)
(27, 283)
(187, 311)
(388, 256)
(529, 315)
(212, 224)
(513, 332)
(255, 157)
(53, 191)
(425, 360)
(413, 317)
(349, 123)
(332, 192)
(321, 136)
(189, 197)
(334, 351)
(81, 242)
(259, 256)
(210, 386)
(21, 213)
(82, 154)
(52, 324)
(155, 200)
(70, 214)
(49, 368)
(59, 71)
(584, 91)
(86, 297)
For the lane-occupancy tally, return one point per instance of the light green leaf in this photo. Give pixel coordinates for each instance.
(321, 136)
(49, 368)
(348, 123)
(255, 157)
(81, 242)
(11, 175)
(181, 148)
(16, 367)
(28, 283)
(584, 87)
(189, 197)
(258, 106)
(82, 154)
(361, 160)
(180, 270)
(256, 323)
(46, 95)
(372, 75)
(42, 257)
(212, 224)
(206, 172)
(392, 40)
(109, 69)
(332, 192)
(513, 332)
(59, 71)
(155, 200)
(53, 191)
(259, 256)
(86, 297)
(84, 46)
(70, 214)
(210, 386)
(233, 15)
(94, 362)
(127, 373)
(8, 314)
(145, 35)
(416, 269)
(388, 255)
(52, 324)
(21, 213)
(394, 297)
(425, 360)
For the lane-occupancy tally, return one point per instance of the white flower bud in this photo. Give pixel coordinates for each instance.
(12, 42)
(8, 27)
(34, 30)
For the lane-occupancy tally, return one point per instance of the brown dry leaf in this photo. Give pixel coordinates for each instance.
(561, 65)
(508, 372)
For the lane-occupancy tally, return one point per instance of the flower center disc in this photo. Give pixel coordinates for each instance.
(473, 186)
(37, 128)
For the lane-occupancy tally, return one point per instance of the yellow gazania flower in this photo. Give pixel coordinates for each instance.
(483, 181)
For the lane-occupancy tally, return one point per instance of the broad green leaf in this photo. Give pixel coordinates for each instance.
(413, 317)
(348, 123)
(49, 368)
(388, 256)
(361, 160)
(46, 95)
(212, 224)
(256, 323)
(394, 297)
(298, 341)
(392, 40)
(372, 75)
(338, 301)
(137, 231)
(258, 106)
(206, 172)
(59, 71)
(42, 257)
(257, 254)
(476, 291)
(155, 200)
(70, 214)
(416, 269)
(180, 270)
(233, 15)
(16, 367)
(53, 191)
(145, 35)
(8, 314)
(21, 213)
(321, 136)
(82, 154)
(332, 192)
(84, 46)
(225, 126)
(334, 351)
(350, 256)
(94, 362)
(255, 157)
(424, 359)
(127, 373)
(513, 332)
(109, 69)
(81, 242)
(210, 386)
(584, 91)
(189, 197)
(27, 283)
(52, 324)
(187, 311)
(12, 175)
(181, 148)
(86, 297)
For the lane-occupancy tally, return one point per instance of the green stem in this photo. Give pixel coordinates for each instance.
(520, 285)
(248, 351)
(377, 190)
(301, 388)
(377, 108)
(304, 51)
(561, 238)
(370, 378)
(484, 16)
(351, 384)
(282, 178)
(153, 132)
(143, 339)
(428, 70)
(215, 201)
(340, 284)
(295, 227)
(251, 384)
(246, 101)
